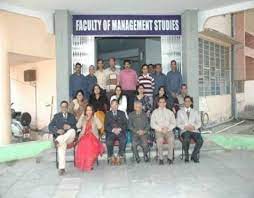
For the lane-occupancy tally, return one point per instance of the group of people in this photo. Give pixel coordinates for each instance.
(111, 102)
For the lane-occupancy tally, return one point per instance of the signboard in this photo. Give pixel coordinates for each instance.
(120, 25)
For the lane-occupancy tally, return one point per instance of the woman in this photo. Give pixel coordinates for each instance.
(122, 100)
(101, 75)
(98, 99)
(145, 100)
(161, 93)
(78, 104)
(89, 147)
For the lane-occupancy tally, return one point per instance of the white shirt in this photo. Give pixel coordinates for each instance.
(101, 78)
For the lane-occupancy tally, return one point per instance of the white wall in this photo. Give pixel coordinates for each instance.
(220, 23)
(218, 107)
(23, 94)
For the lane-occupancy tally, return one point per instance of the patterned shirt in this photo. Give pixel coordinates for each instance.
(148, 83)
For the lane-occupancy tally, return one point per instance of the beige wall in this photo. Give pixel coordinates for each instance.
(23, 93)
(249, 17)
(220, 23)
(28, 36)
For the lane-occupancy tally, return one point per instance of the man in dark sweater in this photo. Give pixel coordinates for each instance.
(115, 126)
(139, 126)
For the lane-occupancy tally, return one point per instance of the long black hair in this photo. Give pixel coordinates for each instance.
(165, 91)
(121, 95)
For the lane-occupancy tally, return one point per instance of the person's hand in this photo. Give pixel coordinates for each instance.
(66, 127)
(189, 127)
(60, 131)
(174, 110)
(76, 104)
(141, 132)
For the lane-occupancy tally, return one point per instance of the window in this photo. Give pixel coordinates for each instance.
(214, 69)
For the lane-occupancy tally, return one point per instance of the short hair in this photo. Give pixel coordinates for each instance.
(162, 98)
(184, 85)
(188, 97)
(126, 61)
(137, 102)
(113, 58)
(114, 100)
(78, 64)
(64, 101)
(91, 66)
(157, 64)
(173, 61)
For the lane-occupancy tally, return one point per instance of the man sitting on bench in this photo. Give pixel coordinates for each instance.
(188, 120)
(63, 126)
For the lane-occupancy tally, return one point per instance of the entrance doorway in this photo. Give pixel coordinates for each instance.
(139, 50)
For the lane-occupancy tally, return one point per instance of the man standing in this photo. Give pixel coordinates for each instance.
(128, 80)
(174, 81)
(163, 122)
(91, 81)
(160, 79)
(115, 127)
(112, 77)
(188, 120)
(139, 126)
(63, 127)
(77, 81)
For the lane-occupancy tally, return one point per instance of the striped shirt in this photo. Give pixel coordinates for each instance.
(148, 83)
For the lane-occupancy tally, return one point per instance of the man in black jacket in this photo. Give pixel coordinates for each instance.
(63, 127)
(115, 126)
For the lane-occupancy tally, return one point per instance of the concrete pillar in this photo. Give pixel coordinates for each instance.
(63, 31)
(190, 53)
(5, 113)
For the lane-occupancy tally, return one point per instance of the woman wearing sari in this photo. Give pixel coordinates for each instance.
(89, 147)
(78, 104)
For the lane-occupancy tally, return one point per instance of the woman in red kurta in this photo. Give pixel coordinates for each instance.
(89, 147)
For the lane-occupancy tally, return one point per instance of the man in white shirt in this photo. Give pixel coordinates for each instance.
(189, 122)
(163, 122)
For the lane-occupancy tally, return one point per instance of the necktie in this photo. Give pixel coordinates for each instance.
(188, 114)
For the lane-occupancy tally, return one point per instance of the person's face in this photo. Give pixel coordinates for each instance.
(184, 90)
(141, 90)
(97, 90)
(138, 107)
(151, 69)
(89, 112)
(80, 97)
(158, 69)
(145, 70)
(173, 66)
(162, 103)
(78, 69)
(91, 70)
(187, 102)
(114, 106)
(161, 92)
(112, 62)
(127, 65)
(100, 64)
(64, 108)
(118, 91)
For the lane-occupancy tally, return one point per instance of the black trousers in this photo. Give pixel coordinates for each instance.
(187, 136)
(111, 138)
(130, 99)
(142, 141)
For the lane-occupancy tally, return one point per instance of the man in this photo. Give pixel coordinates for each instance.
(91, 81)
(188, 120)
(112, 77)
(77, 81)
(115, 127)
(147, 81)
(128, 80)
(174, 81)
(163, 122)
(160, 79)
(63, 127)
(151, 69)
(139, 126)
(179, 100)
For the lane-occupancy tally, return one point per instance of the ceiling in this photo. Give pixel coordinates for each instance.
(122, 7)
(20, 59)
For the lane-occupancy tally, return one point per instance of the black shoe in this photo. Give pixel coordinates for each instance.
(138, 160)
(146, 158)
(194, 159)
(61, 172)
(161, 162)
(170, 161)
(186, 160)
